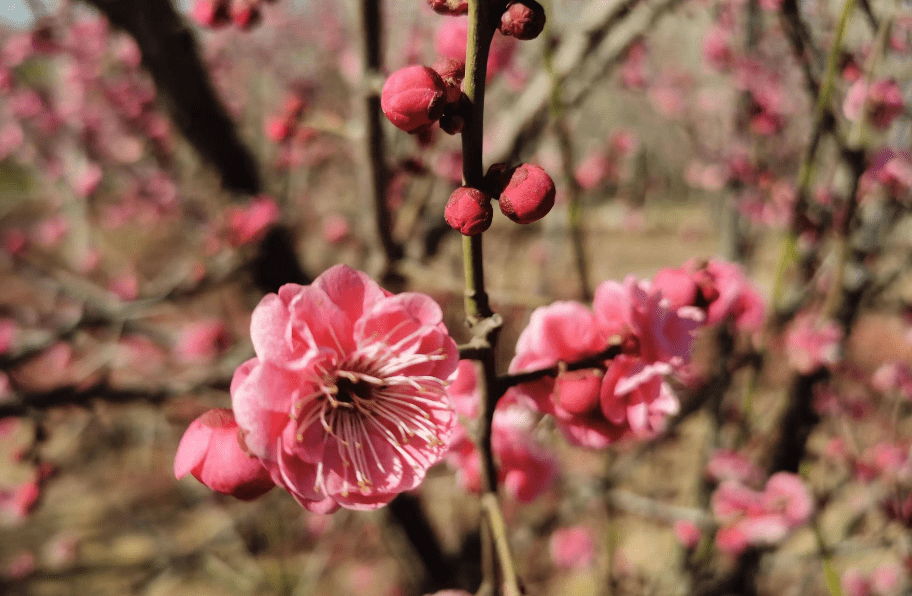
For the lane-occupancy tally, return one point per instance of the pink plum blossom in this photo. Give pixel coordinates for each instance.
(882, 101)
(716, 286)
(212, 450)
(345, 402)
(752, 518)
(731, 465)
(630, 398)
(248, 224)
(202, 340)
(572, 548)
(811, 344)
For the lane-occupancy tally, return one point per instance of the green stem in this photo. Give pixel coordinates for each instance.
(479, 316)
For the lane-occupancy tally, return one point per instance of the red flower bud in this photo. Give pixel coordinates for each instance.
(449, 7)
(529, 195)
(413, 98)
(469, 211)
(524, 20)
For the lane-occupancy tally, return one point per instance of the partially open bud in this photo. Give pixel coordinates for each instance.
(469, 211)
(413, 98)
(524, 20)
(449, 7)
(529, 195)
(452, 72)
(213, 451)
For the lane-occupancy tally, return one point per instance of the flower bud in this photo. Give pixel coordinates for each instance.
(524, 20)
(213, 451)
(449, 7)
(529, 195)
(413, 98)
(469, 211)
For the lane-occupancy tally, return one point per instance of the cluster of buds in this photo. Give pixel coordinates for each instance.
(219, 13)
(525, 194)
(415, 97)
(522, 19)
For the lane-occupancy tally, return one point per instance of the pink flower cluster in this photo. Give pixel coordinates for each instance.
(717, 287)
(760, 518)
(344, 404)
(525, 468)
(630, 398)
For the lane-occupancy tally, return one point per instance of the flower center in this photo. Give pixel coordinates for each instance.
(350, 389)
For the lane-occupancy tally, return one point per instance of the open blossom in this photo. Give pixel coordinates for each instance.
(752, 518)
(630, 398)
(345, 402)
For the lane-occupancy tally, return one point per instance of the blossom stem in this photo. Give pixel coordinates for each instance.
(479, 316)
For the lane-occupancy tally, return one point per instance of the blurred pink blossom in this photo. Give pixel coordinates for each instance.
(202, 340)
(811, 344)
(247, 224)
(687, 533)
(572, 548)
(762, 518)
(882, 102)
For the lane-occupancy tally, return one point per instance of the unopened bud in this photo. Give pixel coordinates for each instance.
(524, 20)
(529, 196)
(413, 98)
(469, 211)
